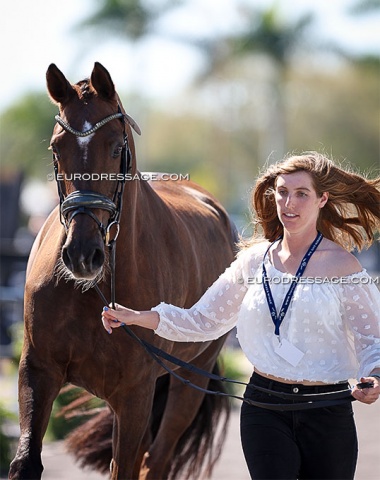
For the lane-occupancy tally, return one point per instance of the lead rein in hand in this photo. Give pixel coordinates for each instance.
(302, 401)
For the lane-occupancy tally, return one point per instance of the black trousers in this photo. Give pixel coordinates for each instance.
(319, 443)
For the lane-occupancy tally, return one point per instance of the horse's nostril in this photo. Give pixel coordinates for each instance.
(66, 258)
(97, 259)
(85, 262)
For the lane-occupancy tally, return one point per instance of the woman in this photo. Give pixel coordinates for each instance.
(305, 337)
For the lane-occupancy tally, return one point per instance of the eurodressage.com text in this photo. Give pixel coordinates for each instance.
(314, 280)
(120, 177)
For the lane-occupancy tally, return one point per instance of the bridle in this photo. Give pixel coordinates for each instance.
(85, 201)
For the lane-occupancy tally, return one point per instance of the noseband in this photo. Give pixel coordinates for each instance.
(85, 201)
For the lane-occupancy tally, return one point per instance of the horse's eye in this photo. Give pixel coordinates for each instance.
(56, 155)
(117, 151)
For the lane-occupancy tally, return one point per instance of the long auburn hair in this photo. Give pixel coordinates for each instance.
(351, 216)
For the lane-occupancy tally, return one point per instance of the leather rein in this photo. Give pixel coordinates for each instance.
(296, 401)
(83, 201)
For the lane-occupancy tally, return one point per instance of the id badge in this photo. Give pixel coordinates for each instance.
(288, 352)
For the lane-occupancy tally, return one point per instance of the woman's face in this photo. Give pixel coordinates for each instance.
(297, 202)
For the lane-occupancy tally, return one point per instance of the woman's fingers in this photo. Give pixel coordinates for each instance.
(106, 324)
(367, 395)
(110, 318)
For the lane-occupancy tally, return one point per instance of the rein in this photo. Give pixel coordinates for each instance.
(296, 401)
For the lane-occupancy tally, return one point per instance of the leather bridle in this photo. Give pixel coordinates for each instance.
(85, 201)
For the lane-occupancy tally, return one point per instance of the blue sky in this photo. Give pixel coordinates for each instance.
(36, 33)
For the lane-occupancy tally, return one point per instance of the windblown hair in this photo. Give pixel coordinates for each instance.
(351, 216)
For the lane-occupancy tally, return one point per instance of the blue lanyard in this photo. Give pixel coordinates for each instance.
(277, 319)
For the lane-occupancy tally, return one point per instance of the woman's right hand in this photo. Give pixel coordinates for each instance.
(119, 316)
(111, 317)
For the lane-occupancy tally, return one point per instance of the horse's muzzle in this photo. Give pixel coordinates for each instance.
(85, 260)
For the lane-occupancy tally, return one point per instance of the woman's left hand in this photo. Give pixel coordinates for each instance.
(367, 395)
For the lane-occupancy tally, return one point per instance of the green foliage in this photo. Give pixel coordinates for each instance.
(220, 147)
(235, 366)
(25, 131)
(132, 19)
(336, 113)
(233, 122)
(17, 335)
(363, 7)
(268, 31)
(60, 425)
(6, 443)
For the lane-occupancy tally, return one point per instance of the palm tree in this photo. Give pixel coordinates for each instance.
(364, 7)
(132, 19)
(267, 33)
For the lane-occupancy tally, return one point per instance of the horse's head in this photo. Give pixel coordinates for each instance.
(93, 150)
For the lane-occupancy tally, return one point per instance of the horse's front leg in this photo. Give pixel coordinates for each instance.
(182, 408)
(131, 420)
(38, 387)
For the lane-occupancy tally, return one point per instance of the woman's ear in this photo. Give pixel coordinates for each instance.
(323, 199)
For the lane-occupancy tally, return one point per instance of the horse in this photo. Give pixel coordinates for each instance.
(173, 240)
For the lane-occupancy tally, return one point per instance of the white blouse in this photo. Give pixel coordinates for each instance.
(334, 322)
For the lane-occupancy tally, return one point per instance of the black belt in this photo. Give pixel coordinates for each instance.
(323, 396)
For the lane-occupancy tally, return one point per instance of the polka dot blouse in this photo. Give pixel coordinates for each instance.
(335, 322)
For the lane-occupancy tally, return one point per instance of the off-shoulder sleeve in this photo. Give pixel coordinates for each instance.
(361, 308)
(216, 311)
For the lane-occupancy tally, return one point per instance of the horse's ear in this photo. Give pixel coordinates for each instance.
(60, 90)
(102, 82)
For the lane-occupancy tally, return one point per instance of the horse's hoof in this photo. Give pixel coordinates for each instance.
(19, 470)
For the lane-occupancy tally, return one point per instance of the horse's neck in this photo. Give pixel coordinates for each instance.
(140, 204)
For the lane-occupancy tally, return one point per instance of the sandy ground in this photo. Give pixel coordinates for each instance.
(231, 466)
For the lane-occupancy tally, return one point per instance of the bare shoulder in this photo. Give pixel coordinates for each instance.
(252, 255)
(255, 248)
(336, 261)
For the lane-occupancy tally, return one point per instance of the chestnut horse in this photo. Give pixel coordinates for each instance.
(173, 240)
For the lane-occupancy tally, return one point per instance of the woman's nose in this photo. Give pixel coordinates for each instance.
(288, 200)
